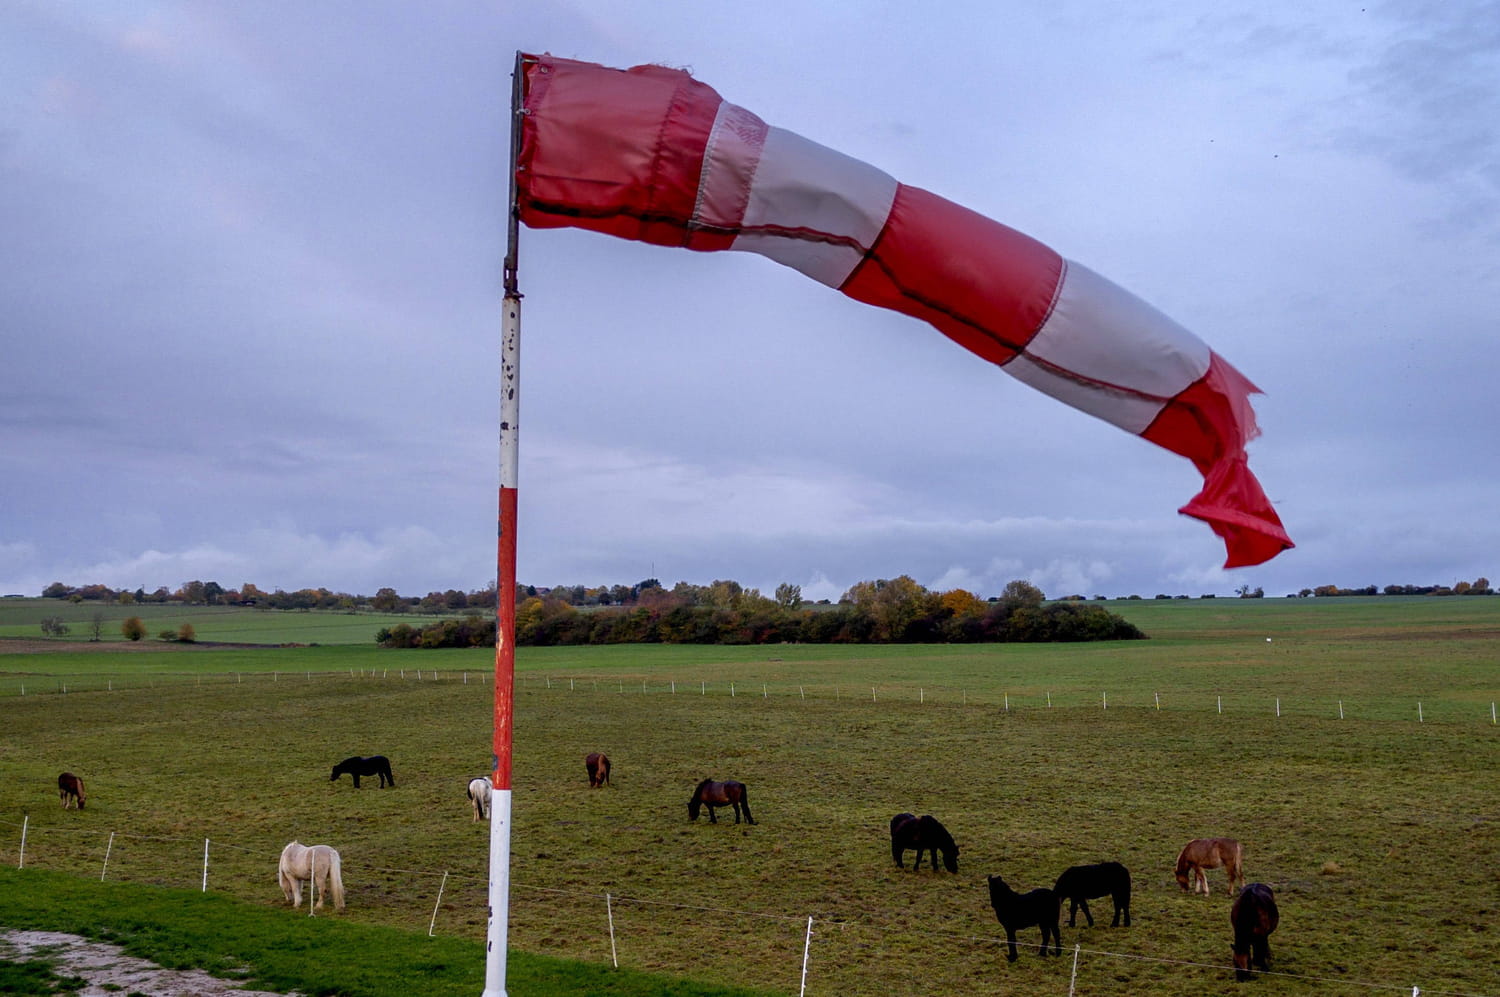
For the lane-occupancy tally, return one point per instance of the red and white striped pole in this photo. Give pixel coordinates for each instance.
(505, 582)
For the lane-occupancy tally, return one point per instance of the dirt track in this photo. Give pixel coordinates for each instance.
(109, 971)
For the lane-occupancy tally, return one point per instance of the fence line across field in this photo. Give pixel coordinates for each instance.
(80, 683)
(807, 955)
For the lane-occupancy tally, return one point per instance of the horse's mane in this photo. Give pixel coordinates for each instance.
(699, 788)
(944, 839)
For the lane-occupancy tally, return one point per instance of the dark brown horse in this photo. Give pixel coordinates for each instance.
(1013, 910)
(597, 765)
(70, 790)
(1209, 853)
(1083, 882)
(923, 834)
(1254, 916)
(720, 794)
(356, 766)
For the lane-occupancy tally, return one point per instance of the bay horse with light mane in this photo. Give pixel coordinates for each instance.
(1209, 853)
(720, 794)
(317, 865)
(70, 790)
(596, 763)
(922, 834)
(357, 766)
(1254, 916)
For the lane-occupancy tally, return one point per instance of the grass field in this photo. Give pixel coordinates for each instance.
(1379, 832)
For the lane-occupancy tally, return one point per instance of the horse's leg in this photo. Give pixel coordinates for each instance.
(711, 818)
(1010, 940)
(1080, 902)
(356, 779)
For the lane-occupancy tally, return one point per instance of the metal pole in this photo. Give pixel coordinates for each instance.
(505, 572)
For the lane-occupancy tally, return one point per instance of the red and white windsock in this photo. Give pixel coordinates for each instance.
(651, 154)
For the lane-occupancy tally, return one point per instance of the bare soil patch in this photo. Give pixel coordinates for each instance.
(109, 972)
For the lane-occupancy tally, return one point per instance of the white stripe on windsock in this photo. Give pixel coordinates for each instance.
(808, 207)
(1107, 352)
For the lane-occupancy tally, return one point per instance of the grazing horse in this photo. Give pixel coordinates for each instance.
(319, 866)
(70, 790)
(1209, 853)
(357, 766)
(479, 795)
(1041, 908)
(922, 834)
(720, 794)
(596, 763)
(1254, 917)
(1082, 882)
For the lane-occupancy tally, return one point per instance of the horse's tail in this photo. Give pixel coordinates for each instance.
(336, 877)
(745, 802)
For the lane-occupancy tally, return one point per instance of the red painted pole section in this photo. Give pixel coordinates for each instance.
(505, 640)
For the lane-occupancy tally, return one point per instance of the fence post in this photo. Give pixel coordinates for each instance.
(609, 910)
(107, 849)
(1341, 709)
(1073, 980)
(25, 820)
(441, 886)
(806, 945)
(205, 866)
(1278, 706)
(1419, 711)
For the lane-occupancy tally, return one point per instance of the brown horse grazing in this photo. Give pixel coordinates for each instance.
(1209, 853)
(597, 765)
(70, 790)
(720, 794)
(923, 834)
(1040, 907)
(1253, 917)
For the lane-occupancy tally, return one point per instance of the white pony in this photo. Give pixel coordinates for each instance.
(479, 793)
(318, 865)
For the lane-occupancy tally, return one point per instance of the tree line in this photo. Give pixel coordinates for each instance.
(886, 611)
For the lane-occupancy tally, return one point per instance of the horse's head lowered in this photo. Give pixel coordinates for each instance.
(695, 804)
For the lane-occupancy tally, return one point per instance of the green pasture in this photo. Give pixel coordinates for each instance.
(22, 618)
(1380, 832)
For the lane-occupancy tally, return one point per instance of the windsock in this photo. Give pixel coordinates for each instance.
(651, 154)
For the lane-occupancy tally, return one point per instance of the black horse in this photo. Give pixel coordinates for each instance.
(720, 794)
(1254, 916)
(1083, 882)
(922, 834)
(357, 766)
(1040, 907)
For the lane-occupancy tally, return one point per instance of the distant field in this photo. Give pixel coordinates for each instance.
(21, 618)
(1380, 832)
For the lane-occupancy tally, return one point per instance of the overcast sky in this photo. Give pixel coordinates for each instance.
(250, 264)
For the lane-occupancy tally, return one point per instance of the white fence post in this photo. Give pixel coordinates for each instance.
(1073, 980)
(806, 945)
(441, 886)
(1419, 711)
(107, 849)
(609, 910)
(25, 820)
(1341, 709)
(205, 866)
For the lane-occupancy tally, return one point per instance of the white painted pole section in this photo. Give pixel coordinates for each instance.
(609, 910)
(806, 946)
(107, 849)
(1419, 711)
(1073, 980)
(494, 975)
(1278, 706)
(1221, 704)
(1341, 709)
(441, 886)
(25, 820)
(205, 866)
